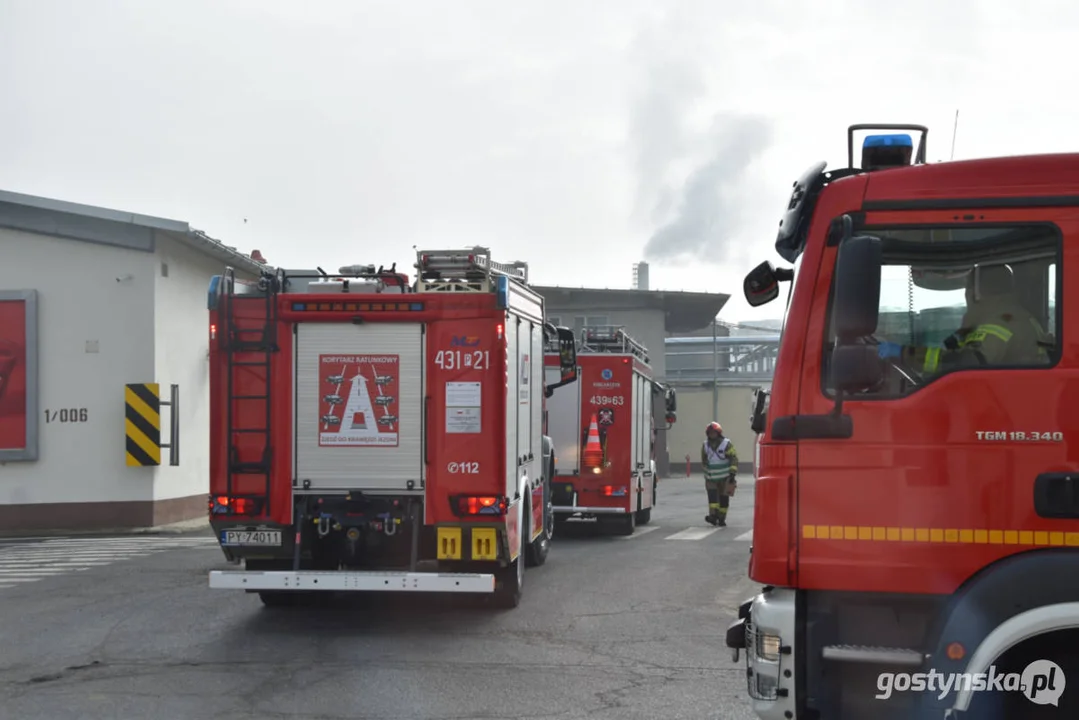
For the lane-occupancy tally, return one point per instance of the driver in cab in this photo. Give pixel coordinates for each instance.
(997, 329)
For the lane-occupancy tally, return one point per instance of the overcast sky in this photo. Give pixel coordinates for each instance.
(578, 136)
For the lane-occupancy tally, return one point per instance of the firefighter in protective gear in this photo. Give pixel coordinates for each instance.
(720, 462)
(997, 330)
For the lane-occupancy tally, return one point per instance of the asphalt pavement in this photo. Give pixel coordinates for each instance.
(126, 628)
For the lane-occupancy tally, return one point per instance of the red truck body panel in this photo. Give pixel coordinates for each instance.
(912, 503)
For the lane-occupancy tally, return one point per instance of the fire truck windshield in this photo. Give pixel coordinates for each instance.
(965, 297)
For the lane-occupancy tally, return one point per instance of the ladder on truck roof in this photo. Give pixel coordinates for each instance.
(611, 339)
(249, 346)
(466, 270)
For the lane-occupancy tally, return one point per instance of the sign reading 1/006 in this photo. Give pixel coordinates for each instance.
(67, 415)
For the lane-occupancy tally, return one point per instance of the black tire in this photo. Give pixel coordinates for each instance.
(509, 581)
(623, 524)
(644, 516)
(282, 598)
(1061, 648)
(536, 552)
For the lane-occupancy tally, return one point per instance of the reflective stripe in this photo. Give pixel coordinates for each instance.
(718, 466)
(932, 360)
(980, 333)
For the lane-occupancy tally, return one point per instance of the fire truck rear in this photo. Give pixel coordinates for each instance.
(603, 430)
(369, 435)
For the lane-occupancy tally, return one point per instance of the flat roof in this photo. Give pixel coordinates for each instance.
(175, 229)
(683, 311)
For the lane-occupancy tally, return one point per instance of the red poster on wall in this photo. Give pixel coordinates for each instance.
(13, 375)
(358, 400)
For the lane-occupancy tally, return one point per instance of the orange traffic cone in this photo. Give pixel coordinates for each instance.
(593, 452)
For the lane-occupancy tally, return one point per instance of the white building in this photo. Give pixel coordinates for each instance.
(119, 298)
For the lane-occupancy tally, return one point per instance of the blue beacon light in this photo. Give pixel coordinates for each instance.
(886, 151)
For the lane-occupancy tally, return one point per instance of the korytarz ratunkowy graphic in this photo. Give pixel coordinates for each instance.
(358, 400)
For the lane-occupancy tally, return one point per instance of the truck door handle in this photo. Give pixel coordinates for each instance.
(425, 423)
(1056, 495)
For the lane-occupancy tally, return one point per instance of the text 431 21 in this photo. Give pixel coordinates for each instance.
(462, 359)
(607, 400)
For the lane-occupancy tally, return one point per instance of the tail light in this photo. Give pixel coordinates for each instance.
(465, 505)
(224, 505)
(612, 491)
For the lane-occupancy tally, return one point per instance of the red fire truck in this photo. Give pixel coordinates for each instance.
(916, 522)
(603, 431)
(369, 435)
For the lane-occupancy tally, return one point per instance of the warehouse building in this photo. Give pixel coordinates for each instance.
(92, 300)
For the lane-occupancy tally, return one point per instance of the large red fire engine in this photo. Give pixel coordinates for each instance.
(603, 431)
(917, 514)
(369, 435)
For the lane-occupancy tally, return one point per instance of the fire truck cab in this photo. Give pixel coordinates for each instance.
(371, 435)
(604, 433)
(916, 521)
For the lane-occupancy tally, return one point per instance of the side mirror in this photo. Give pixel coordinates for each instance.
(758, 420)
(761, 285)
(567, 354)
(856, 303)
(567, 358)
(855, 368)
(672, 402)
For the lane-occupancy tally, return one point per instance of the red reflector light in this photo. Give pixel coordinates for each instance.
(625, 361)
(480, 505)
(224, 505)
(608, 490)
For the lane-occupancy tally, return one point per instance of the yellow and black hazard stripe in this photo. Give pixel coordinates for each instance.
(142, 416)
(955, 536)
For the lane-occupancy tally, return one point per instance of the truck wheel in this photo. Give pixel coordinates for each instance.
(1059, 647)
(510, 580)
(282, 598)
(644, 516)
(536, 552)
(624, 524)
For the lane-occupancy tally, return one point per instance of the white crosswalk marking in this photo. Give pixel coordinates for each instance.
(638, 532)
(24, 562)
(696, 533)
(693, 533)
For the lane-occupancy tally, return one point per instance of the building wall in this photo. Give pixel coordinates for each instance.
(181, 342)
(95, 333)
(108, 316)
(694, 414)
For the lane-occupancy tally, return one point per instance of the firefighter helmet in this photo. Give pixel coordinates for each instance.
(714, 426)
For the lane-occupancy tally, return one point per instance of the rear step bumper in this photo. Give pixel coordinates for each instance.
(344, 581)
(570, 509)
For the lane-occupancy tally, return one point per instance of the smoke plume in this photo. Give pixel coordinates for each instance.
(708, 214)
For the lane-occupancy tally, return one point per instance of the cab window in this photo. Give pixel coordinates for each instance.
(962, 298)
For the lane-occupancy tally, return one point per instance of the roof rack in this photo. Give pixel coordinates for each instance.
(464, 270)
(611, 339)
